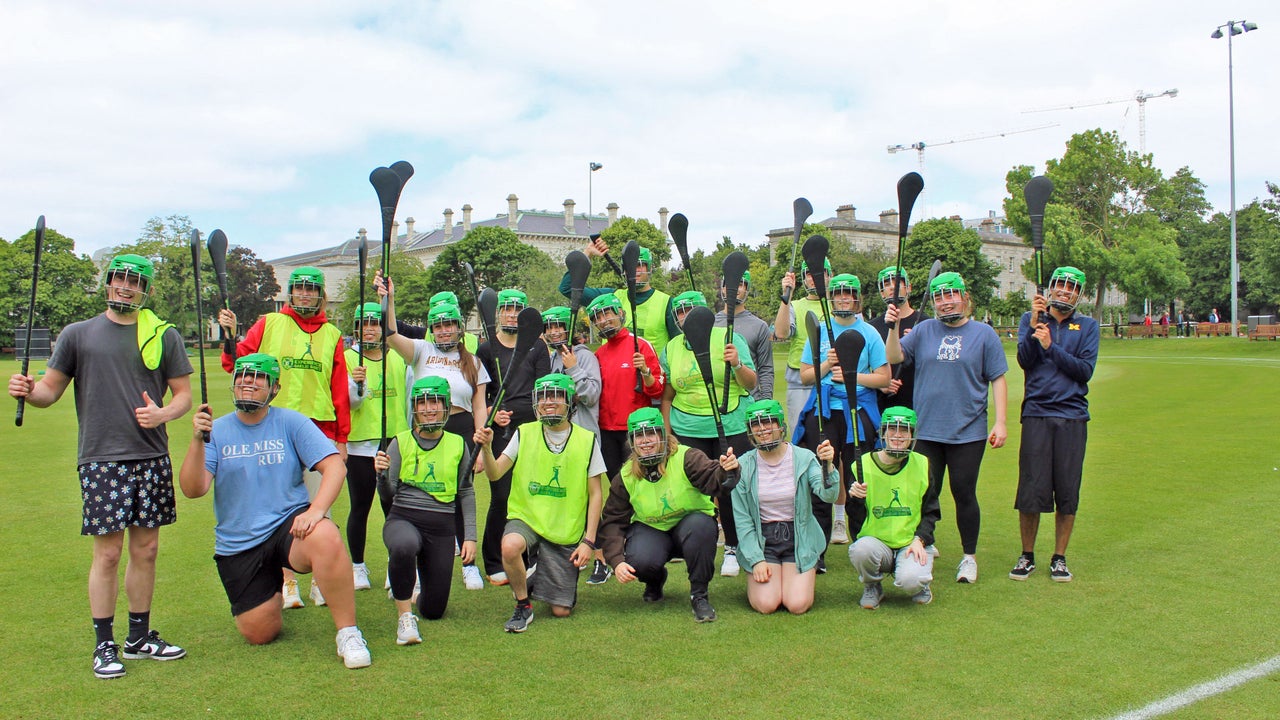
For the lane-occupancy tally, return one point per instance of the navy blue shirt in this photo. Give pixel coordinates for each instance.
(1057, 379)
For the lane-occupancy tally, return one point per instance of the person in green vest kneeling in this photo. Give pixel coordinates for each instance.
(554, 507)
(661, 506)
(897, 510)
(431, 470)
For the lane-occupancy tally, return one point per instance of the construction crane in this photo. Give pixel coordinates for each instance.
(1139, 97)
(920, 146)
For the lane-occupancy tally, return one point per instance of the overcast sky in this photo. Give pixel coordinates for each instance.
(264, 119)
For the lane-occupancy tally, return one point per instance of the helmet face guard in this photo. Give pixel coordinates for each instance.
(766, 424)
(898, 431)
(255, 380)
(127, 290)
(305, 304)
(684, 302)
(649, 445)
(510, 303)
(955, 301)
(846, 295)
(886, 280)
(431, 400)
(606, 315)
(553, 397)
(555, 322)
(1069, 280)
(445, 323)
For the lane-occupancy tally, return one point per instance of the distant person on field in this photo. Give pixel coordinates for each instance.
(1058, 356)
(254, 462)
(123, 361)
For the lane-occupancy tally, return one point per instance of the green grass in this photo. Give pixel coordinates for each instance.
(1174, 555)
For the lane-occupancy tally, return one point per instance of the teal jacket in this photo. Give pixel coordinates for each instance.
(810, 542)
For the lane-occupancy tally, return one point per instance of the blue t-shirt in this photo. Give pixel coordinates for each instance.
(257, 471)
(872, 358)
(953, 368)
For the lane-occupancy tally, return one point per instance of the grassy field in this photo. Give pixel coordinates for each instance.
(1174, 556)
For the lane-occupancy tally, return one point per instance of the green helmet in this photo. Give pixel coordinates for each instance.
(555, 322)
(130, 265)
(947, 282)
(306, 277)
(553, 386)
(514, 299)
(898, 417)
(644, 421)
(646, 257)
(431, 386)
(558, 315)
(762, 413)
(1069, 276)
(441, 314)
(888, 274)
(826, 266)
(845, 282)
(253, 365)
(370, 311)
(443, 296)
(687, 300)
(601, 305)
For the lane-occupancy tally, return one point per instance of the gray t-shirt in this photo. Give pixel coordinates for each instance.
(103, 359)
(953, 368)
(760, 340)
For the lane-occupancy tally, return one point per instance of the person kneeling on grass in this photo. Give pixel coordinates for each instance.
(897, 509)
(554, 508)
(431, 469)
(256, 457)
(778, 537)
(661, 506)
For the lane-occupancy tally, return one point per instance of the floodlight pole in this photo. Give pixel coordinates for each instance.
(1234, 27)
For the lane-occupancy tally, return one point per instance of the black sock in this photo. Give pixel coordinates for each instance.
(1030, 556)
(139, 625)
(1063, 558)
(104, 628)
(523, 603)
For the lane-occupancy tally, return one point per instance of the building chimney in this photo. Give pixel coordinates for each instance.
(513, 212)
(662, 220)
(568, 217)
(846, 213)
(613, 213)
(395, 232)
(956, 218)
(448, 224)
(889, 217)
(408, 229)
(466, 219)
(362, 234)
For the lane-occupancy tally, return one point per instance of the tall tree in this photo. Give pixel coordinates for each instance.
(68, 289)
(500, 260)
(251, 285)
(166, 241)
(412, 295)
(960, 250)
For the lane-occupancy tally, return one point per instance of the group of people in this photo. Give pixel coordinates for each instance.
(619, 458)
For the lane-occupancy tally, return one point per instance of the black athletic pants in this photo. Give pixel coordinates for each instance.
(648, 550)
(961, 463)
(741, 444)
(420, 545)
(835, 429)
(361, 487)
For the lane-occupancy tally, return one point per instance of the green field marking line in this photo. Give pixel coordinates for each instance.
(1203, 691)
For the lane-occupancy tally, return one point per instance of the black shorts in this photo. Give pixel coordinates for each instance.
(254, 576)
(1050, 465)
(126, 493)
(779, 542)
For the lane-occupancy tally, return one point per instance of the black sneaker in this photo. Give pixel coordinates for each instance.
(106, 661)
(822, 565)
(1023, 569)
(520, 619)
(1058, 571)
(702, 610)
(153, 647)
(599, 574)
(653, 590)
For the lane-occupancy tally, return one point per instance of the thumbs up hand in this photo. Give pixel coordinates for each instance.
(149, 415)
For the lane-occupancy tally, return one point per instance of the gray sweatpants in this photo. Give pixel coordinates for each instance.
(872, 559)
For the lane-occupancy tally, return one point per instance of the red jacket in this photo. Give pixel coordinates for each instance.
(336, 430)
(618, 396)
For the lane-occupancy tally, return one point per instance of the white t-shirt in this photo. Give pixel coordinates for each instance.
(776, 488)
(556, 441)
(431, 360)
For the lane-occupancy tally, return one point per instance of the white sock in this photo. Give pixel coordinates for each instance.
(839, 513)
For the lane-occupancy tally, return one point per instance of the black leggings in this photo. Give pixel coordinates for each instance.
(495, 521)
(420, 545)
(741, 444)
(961, 463)
(834, 429)
(463, 424)
(361, 486)
(648, 550)
(614, 451)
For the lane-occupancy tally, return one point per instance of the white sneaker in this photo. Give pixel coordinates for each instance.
(840, 533)
(352, 648)
(967, 571)
(457, 549)
(933, 550)
(417, 589)
(729, 568)
(407, 630)
(471, 577)
(386, 585)
(499, 578)
(289, 595)
(316, 597)
(360, 572)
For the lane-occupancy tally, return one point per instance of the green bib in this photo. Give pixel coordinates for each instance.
(662, 505)
(686, 379)
(803, 307)
(366, 420)
(651, 317)
(893, 501)
(151, 330)
(549, 490)
(306, 364)
(433, 471)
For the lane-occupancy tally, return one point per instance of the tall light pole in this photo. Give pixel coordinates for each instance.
(1234, 27)
(591, 172)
